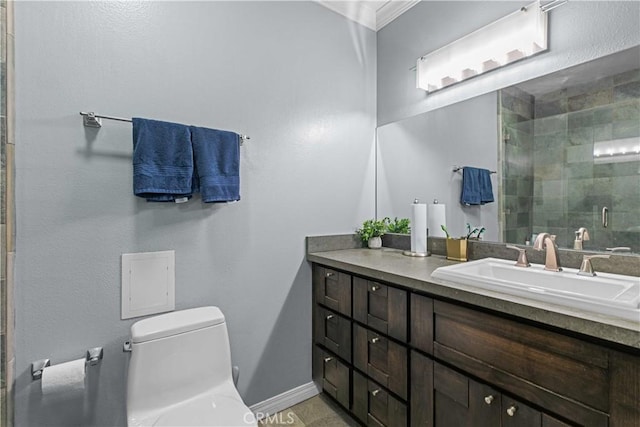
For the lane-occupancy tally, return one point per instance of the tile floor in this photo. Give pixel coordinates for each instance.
(319, 411)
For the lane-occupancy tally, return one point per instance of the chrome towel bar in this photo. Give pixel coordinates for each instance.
(93, 120)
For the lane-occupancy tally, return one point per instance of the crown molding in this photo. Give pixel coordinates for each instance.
(391, 10)
(370, 13)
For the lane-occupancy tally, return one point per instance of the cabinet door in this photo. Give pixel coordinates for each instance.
(421, 390)
(332, 375)
(332, 289)
(462, 402)
(382, 359)
(484, 405)
(421, 324)
(374, 406)
(381, 307)
(333, 331)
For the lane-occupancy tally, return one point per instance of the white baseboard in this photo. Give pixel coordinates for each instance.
(284, 400)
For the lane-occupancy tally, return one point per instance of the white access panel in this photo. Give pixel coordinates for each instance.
(148, 283)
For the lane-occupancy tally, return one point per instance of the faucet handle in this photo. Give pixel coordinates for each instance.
(582, 234)
(522, 257)
(586, 269)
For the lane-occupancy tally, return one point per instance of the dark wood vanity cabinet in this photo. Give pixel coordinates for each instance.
(462, 401)
(363, 341)
(397, 357)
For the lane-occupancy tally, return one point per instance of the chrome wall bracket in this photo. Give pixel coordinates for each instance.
(94, 355)
(90, 120)
(37, 367)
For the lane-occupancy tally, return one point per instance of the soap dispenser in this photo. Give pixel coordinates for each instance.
(581, 235)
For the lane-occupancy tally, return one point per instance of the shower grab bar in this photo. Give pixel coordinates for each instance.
(92, 120)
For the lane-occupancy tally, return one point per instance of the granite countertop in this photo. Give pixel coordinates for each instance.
(389, 265)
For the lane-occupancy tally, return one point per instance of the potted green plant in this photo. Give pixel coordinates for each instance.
(371, 232)
(399, 226)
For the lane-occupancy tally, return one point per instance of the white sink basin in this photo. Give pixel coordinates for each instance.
(611, 294)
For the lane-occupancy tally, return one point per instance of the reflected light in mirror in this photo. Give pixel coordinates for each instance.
(618, 150)
(509, 39)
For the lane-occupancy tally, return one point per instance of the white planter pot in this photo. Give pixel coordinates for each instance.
(375, 243)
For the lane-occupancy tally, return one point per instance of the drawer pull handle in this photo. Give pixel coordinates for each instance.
(328, 359)
(329, 317)
(488, 399)
(329, 274)
(375, 340)
(511, 411)
(375, 392)
(375, 288)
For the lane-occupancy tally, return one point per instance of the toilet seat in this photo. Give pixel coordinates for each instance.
(216, 410)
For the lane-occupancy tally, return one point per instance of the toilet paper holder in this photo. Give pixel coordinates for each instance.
(93, 356)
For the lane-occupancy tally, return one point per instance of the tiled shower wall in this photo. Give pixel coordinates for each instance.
(6, 212)
(516, 152)
(570, 189)
(550, 181)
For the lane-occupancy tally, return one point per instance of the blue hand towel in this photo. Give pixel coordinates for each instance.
(162, 160)
(486, 190)
(217, 158)
(476, 186)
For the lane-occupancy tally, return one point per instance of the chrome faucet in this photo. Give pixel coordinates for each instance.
(586, 269)
(547, 241)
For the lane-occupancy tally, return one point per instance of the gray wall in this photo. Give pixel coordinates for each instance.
(579, 31)
(298, 78)
(416, 155)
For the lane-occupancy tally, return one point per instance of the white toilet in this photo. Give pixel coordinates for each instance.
(180, 372)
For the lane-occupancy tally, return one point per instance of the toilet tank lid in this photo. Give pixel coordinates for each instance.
(175, 323)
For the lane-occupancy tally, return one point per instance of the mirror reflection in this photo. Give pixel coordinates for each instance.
(566, 149)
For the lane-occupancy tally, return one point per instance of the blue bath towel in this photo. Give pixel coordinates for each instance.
(476, 186)
(162, 160)
(217, 162)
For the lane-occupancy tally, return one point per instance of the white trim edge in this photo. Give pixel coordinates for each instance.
(285, 400)
(391, 10)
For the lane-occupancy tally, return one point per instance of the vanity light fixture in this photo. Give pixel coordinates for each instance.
(509, 39)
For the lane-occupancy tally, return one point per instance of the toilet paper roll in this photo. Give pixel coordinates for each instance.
(437, 214)
(419, 228)
(64, 378)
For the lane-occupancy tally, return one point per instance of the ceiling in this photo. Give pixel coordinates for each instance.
(373, 14)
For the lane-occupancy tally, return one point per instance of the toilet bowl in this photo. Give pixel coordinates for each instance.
(180, 372)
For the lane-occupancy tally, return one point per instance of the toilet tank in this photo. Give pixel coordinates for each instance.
(177, 356)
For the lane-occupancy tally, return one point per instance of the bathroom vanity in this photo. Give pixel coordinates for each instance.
(396, 347)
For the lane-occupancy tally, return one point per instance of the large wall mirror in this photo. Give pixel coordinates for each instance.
(565, 149)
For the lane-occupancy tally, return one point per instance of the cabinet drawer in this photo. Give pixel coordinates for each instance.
(374, 406)
(332, 289)
(382, 359)
(333, 331)
(562, 374)
(381, 307)
(334, 376)
(421, 324)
